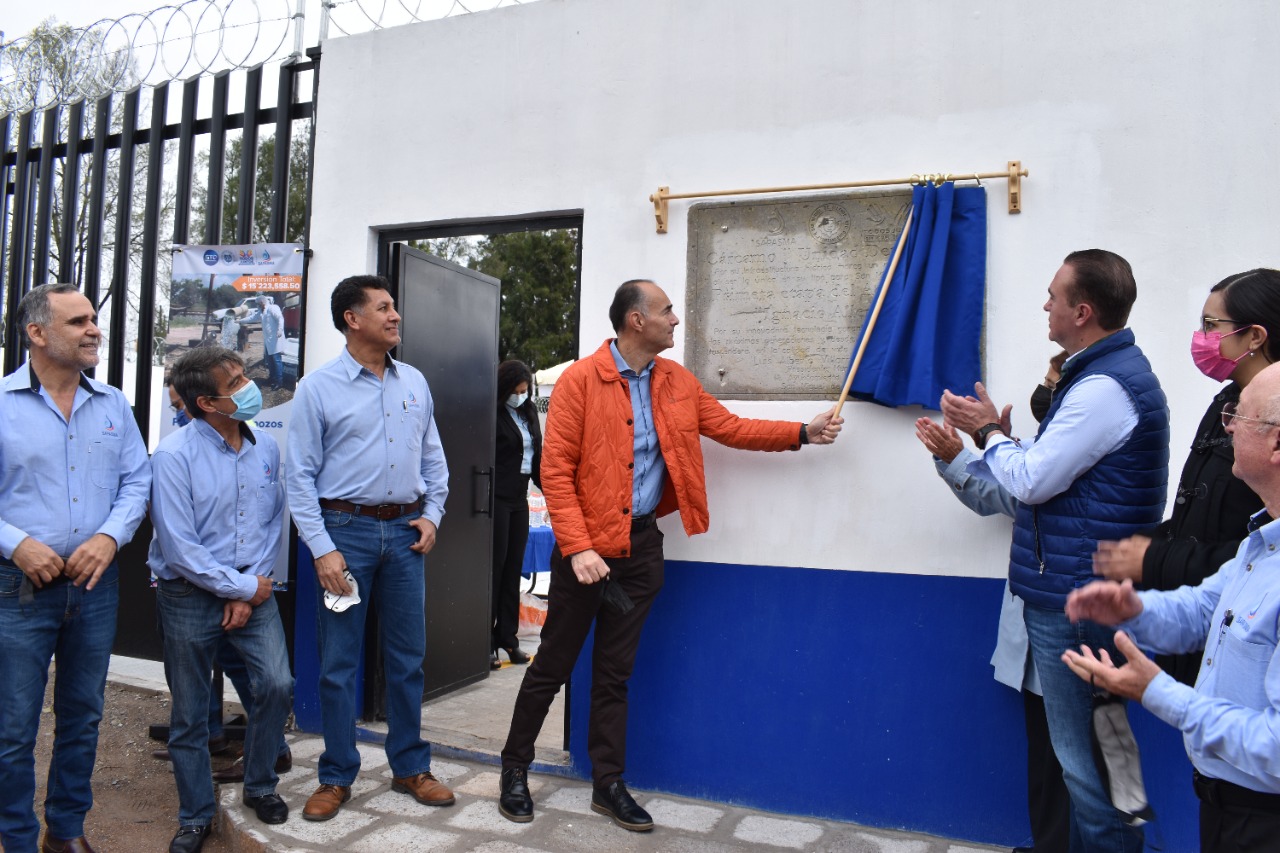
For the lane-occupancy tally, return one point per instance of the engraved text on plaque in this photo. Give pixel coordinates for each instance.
(777, 290)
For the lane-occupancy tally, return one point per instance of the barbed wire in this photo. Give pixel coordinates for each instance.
(61, 63)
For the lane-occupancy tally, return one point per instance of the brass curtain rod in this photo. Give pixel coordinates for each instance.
(1014, 175)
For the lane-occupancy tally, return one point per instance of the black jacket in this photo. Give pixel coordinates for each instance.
(508, 483)
(1210, 516)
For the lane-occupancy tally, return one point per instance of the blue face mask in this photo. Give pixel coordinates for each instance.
(248, 402)
(182, 418)
(515, 401)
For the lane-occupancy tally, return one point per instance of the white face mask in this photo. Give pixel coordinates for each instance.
(515, 401)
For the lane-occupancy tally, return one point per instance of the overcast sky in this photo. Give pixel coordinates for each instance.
(18, 18)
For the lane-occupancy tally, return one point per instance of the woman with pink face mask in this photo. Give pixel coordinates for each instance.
(1239, 335)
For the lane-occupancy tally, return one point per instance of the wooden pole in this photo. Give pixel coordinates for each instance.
(875, 313)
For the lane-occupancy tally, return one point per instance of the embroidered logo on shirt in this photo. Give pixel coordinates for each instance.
(108, 428)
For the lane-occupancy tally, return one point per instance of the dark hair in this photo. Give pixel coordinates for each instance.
(351, 295)
(34, 307)
(193, 375)
(1253, 299)
(627, 298)
(1104, 280)
(510, 374)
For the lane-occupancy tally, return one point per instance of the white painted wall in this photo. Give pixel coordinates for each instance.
(1149, 128)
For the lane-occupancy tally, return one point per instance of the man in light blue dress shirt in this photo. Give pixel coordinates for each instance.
(217, 503)
(73, 487)
(367, 481)
(1230, 720)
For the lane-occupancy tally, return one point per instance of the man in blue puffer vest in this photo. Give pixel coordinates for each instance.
(1097, 470)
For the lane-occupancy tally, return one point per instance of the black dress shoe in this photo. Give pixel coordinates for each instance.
(494, 663)
(616, 802)
(235, 773)
(517, 656)
(189, 839)
(515, 803)
(269, 808)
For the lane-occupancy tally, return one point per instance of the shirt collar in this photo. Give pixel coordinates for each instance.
(205, 431)
(24, 378)
(354, 367)
(621, 363)
(1262, 521)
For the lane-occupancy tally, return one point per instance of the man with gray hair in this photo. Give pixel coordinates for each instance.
(1229, 718)
(73, 487)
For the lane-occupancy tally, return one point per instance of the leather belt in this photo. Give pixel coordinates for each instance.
(382, 512)
(639, 522)
(1221, 793)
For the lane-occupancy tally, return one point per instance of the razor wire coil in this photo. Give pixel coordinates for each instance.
(190, 38)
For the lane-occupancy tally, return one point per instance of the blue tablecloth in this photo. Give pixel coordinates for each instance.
(537, 552)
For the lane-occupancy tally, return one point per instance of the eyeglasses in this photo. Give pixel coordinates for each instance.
(1207, 323)
(177, 407)
(1229, 415)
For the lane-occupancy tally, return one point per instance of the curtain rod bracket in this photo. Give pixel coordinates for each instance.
(1015, 186)
(659, 200)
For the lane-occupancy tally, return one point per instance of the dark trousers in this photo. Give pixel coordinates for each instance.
(1048, 801)
(1236, 820)
(572, 607)
(510, 535)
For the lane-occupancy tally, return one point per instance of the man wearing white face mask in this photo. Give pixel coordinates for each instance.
(217, 503)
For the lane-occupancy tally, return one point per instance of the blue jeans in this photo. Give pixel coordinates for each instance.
(76, 628)
(193, 633)
(390, 576)
(1068, 705)
(234, 668)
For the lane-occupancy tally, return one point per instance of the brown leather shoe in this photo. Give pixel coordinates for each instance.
(70, 845)
(424, 788)
(325, 802)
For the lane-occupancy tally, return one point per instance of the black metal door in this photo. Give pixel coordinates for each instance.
(450, 333)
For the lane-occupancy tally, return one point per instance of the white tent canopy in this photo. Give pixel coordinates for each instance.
(551, 374)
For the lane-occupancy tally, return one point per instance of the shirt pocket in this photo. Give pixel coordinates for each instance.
(1242, 677)
(413, 428)
(104, 464)
(270, 496)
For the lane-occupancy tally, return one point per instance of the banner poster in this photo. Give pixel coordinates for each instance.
(247, 299)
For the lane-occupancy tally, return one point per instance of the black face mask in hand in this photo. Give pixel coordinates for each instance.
(1040, 400)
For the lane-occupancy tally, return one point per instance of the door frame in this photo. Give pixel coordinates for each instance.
(478, 226)
(374, 695)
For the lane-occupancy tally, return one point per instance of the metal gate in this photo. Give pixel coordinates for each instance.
(90, 197)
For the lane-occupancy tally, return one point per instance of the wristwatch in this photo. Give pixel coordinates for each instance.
(982, 433)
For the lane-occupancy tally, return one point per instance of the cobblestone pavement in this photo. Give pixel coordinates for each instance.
(378, 820)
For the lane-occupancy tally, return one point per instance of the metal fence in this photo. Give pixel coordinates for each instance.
(98, 192)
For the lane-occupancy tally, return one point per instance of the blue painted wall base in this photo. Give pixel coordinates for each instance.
(856, 696)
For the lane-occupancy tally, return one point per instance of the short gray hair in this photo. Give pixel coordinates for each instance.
(34, 307)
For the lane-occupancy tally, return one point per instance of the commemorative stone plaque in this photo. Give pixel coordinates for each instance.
(778, 290)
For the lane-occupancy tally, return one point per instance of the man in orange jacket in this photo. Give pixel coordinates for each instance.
(622, 447)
